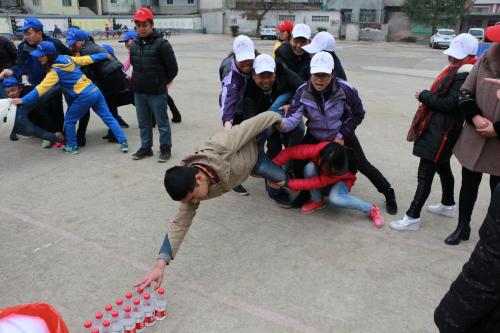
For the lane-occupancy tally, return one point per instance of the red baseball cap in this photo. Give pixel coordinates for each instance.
(286, 26)
(493, 33)
(143, 14)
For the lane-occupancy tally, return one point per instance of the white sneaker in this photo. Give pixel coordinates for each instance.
(440, 209)
(406, 223)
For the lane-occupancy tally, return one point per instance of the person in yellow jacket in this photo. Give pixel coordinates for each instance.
(285, 30)
(83, 94)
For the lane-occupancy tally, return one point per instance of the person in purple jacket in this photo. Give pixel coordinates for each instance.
(235, 72)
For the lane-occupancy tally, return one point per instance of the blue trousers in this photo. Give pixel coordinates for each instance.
(145, 106)
(81, 105)
(338, 194)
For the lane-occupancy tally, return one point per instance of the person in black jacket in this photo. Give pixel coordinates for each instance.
(435, 130)
(293, 55)
(8, 56)
(52, 114)
(154, 66)
(108, 75)
(271, 87)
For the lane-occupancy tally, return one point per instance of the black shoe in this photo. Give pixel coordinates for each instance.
(301, 199)
(165, 154)
(461, 233)
(110, 137)
(240, 190)
(81, 141)
(141, 153)
(13, 136)
(176, 116)
(391, 206)
(282, 199)
(122, 123)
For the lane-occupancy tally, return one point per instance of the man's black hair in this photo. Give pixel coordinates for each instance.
(180, 181)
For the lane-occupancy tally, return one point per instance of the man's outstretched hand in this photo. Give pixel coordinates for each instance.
(154, 275)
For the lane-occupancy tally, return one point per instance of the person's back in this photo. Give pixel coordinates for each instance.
(8, 53)
(101, 70)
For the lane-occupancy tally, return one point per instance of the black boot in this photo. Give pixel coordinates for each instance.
(391, 206)
(461, 233)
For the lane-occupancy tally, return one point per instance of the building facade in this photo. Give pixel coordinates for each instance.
(482, 13)
(160, 7)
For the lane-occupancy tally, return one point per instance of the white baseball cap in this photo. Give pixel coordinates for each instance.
(322, 62)
(462, 46)
(264, 63)
(323, 41)
(243, 48)
(301, 30)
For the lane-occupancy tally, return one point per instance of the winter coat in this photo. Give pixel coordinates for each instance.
(311, 152)
(438, 139)
(154, 64)
(234, 84)
(28, 65)
(8, 53)
(334, 113)
(101, 70)
(256, 100)
(231, 154)
(298, 64)
(473, 151)
(473, 302)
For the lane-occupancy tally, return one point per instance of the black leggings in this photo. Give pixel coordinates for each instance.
(468, 193)
(426, 171)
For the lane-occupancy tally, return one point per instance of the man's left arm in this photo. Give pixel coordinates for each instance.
(168, 60)
(61, 48)
(357, 112)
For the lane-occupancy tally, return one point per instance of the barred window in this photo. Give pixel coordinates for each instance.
(367, 15)
(66, 3)
(286, 18)
(346, 15)
(316, 18)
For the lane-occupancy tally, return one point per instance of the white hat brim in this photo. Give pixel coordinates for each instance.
(455, 53)
(245, 56)
(311, 48)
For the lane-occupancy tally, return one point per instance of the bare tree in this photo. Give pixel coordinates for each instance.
(261, 8)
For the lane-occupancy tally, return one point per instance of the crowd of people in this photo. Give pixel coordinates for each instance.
(289, 117)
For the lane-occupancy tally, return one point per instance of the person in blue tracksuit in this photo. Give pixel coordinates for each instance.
(84, 94)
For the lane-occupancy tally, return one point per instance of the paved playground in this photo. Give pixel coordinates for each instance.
(77, 231)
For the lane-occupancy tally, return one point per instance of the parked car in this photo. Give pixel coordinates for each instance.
(441, 38)
(477, 32)
(269, 32)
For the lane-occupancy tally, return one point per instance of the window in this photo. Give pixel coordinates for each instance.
(190, 2)
(480, 10)
(66, 3)
(286, 18)
(346, 15)
(170, 2)
(113, 1)
(320, 18)
(367, 15)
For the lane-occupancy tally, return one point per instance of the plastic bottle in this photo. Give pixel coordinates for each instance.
(98, 320)
(149, 311)
(160, 304)
(106, 326)
(95, 330)
(128, 299)
(119, 307)
(116, 322)
(138, 314)
(87, 325)
(108, 311)
(138, 293)
(128, 321)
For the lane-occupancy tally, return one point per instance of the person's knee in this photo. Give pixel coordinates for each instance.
(338, 200)
(310, 170)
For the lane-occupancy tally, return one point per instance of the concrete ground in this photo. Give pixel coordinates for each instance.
(77, 231)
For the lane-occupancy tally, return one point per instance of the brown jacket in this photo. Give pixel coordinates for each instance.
(231, 154)
(473, 151)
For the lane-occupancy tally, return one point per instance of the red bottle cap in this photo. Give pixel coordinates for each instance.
(146, 296)
(95, 330)
(161, 291)
(140, 290)
(128, 295)
(137, 301)
(98, 315)
(87, 324)
(128, 309)
(108, 307)
(115, 314)
(119, 302)
(106, 323)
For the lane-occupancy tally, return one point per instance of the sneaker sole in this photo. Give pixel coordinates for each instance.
(241, 194)
(314, 210)
(445, 214)
(139, 157)
(409, 228)
(162, 161)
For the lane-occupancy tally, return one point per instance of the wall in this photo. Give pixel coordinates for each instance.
(352, 32)
(212, 15)
(356, 6)
(374, 35)
(399, 26)
(90, 24)
(272, 18)
(5, 26)
(56, 7)
(48, 23)
(127, 7)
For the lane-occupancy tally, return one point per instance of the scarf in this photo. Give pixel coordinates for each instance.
(424, 115)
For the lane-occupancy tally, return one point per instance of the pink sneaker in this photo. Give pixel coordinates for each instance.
(58, 145)
(312, 206)
(377, 218)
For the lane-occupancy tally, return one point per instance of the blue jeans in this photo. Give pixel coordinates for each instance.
(81, 105)
(146, 105)
(267, 169)
(338, 194)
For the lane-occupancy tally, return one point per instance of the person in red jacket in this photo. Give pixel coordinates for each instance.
(331, 171)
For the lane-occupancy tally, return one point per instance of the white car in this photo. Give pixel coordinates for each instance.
(477, 32)
(441, 38)
(268, 31)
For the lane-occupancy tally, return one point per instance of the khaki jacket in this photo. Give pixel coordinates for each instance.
(473, 151)
(231, 154)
